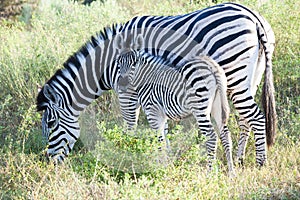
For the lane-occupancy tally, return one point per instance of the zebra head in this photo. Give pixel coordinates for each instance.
(60, 128)
(128, 59)
(127, 63)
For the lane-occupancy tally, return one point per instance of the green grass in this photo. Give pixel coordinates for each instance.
(32, 50)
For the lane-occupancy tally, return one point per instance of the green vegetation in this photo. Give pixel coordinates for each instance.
(33, 48)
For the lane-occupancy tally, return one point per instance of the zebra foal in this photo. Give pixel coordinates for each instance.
(197, 88)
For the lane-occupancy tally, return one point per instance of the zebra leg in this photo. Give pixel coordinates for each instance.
(242, 144)
(163, 137)
(162, 131)
(225, 137)
(249, 110)
(206, 128)
(129, 107)
(166, 130)
(159, 125)
(220, 112)
(158, 121)
(211, 146)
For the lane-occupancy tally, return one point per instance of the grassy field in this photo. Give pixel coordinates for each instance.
(123, 166)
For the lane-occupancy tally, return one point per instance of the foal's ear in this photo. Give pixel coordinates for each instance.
(119, 42)
(50, 94)
(138, 42)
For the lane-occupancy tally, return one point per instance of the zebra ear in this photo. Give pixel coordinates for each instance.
(139, 42)
(50, 94)
(119, 42)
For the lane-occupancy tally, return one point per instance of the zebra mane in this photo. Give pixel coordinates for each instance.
(106, 34)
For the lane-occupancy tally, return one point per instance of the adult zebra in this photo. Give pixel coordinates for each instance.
(198, 88)
(238, 39)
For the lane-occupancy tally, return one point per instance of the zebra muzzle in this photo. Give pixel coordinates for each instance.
(123, 83)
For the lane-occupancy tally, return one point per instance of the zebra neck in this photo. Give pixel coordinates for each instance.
(88, 73)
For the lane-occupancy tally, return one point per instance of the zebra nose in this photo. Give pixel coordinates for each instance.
(123, 83)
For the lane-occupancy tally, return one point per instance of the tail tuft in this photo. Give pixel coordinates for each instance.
(268, 103)
(267, 39)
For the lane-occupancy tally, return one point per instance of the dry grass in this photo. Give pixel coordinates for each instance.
(29, 55)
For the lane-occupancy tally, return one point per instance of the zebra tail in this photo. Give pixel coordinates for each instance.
(268, 103)
(221, 81)
(221, 90)
(267, 39)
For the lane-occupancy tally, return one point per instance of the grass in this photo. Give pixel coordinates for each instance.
(32, 49)
(25, 177)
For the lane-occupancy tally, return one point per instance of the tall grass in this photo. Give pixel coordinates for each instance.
(29, 55)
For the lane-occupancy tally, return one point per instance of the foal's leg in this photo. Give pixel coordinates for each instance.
(206, 128)
(242, 144)
(220, 112)
(158, 121)
(225, 137)
(129, 107)
(163, 137)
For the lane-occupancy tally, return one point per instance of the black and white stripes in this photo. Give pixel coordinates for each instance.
(238, 39)
(198, 88)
